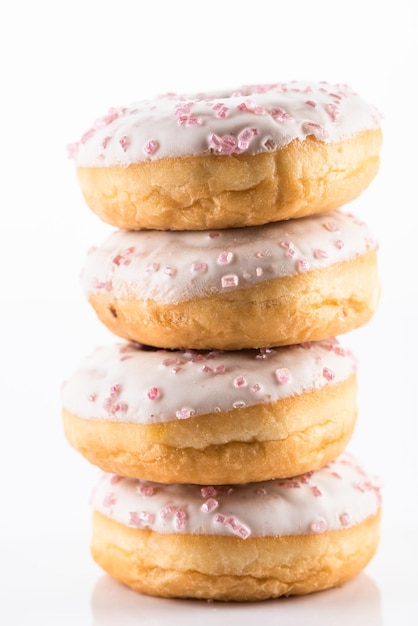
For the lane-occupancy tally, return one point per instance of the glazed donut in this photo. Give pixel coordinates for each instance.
(262, 286)
(240, 542)
(179, 417)
(251, 156)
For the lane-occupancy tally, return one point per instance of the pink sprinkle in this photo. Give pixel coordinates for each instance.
(185, 413)
(245, 137)
(233, 524)
(328, 373)
(223, 145)
(329, 344)
(206, 369)
(107, 404)
(109, 500)
(289, 247)
(305, 478)
(208, 492)
(225, 257)
(125, 142)
(87, 135)
(310, 103)
(167, 511)
(210, 505)
(261, 491)
(134, 519)
(290, 484)
(121, 260)
(251, 107)
(153, 393)
(143, 518)
(319, 131)
(92, 397)
(170, 271)
(229, 145)
(264, 353)
(110, 117)
(220, 369)
(145, 490)
(303, 265)
(180, 519)
(345, 520)
(152, 267)
(336, 475)
(269, 144)
(316, 492)
(319, 527)
(198, 266)
(256, 387)
(151, 147)
(339, 244)
(331, 225)
(194, 120)
(229, 280)
(114, 391)
(115, 479)
(221, 110)
(214, 234)
(240, 382)
(320, 254)
(259, 255)
(279, 114)
(72, 150)
(333, 111)
(171, 361)
(105, 142)
(365, 485)
(120, 407)
(146, 518)
(283, 375)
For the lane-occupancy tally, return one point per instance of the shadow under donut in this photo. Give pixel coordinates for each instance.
(356, 602)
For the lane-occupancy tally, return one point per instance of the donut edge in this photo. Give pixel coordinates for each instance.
(229, 568)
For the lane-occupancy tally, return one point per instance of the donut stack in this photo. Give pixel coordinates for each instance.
(220, 416)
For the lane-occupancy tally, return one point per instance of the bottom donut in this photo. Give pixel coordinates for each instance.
(240, 542)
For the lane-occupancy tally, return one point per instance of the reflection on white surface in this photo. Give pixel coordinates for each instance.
(356, 602)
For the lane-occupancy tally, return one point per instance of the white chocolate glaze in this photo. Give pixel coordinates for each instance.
(176, 266)
(128, 383)
(336, 497)
(250, 120)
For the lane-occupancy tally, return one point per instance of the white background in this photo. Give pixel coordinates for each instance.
(62, 66)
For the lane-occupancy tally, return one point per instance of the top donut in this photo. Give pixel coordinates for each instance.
(254, 155)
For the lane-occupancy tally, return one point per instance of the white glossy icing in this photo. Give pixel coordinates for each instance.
(126, 383)
(333, 498)
(251, 119)
(174, 266)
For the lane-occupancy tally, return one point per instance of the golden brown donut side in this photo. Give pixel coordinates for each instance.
(283, 311)
(275, 440)
(229, 568)
(218, 191)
